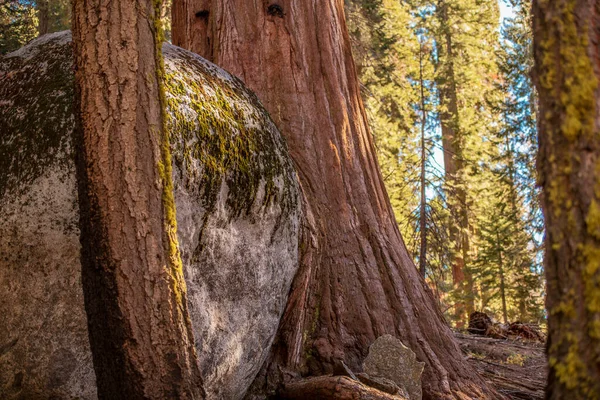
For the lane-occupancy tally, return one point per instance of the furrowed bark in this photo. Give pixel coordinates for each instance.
(567, 57)
(356, 280)
(134, 290)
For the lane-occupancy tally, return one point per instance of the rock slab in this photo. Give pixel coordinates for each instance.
(389, 358)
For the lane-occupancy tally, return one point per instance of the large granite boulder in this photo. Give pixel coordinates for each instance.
(237, 211)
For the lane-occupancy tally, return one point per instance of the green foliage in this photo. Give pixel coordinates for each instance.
(19, 21)
(17, 24)
(487, 211)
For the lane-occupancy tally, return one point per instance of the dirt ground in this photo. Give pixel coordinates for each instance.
(516, 367)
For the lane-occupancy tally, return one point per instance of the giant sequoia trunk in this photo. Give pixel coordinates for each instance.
(356, 280)
(135, 295)
(567, 55)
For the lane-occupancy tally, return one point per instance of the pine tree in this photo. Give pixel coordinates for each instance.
(466, 36)
(519, 134)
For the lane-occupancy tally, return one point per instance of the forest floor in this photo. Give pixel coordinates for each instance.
(515, 367)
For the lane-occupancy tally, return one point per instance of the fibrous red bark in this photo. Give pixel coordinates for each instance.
(356, 280)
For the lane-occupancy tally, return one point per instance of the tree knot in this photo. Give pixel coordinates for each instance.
(202, 14)
(275, 10)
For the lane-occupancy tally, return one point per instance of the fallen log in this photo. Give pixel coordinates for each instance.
(333, 387)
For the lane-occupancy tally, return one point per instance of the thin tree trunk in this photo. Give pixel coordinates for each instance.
(567, 55)
(356, 280)
(423, 207)
(135, 295)
(502, 282)
(43, 15)
(517, 259)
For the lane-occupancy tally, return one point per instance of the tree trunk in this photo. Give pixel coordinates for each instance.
(517, 258)
(356, 280)
(502, 281)
(43, 15)
(423, 206)
(454, 170)
(135, 295)
(567, 55)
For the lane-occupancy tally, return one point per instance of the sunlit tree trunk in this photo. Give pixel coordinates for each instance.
(356, 280)
(452, 143)
(135, 295)
(423, 181)
(567, 56)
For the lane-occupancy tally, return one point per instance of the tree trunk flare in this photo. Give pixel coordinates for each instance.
(356, 280)
(567, 55)
(135, 295)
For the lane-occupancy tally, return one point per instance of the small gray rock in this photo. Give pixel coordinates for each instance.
(390, 358)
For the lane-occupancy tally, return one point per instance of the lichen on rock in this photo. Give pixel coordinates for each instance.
(238, 214)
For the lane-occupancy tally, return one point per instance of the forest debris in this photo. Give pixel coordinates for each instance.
(516, 369)
(390, 358)
(481, 324)
(526, 331)
(333, 387)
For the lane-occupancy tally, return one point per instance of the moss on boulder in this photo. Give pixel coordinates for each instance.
(238, 217)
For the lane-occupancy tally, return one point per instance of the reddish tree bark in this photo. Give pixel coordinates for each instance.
(356, 280)
(135, 295)
(333, 388)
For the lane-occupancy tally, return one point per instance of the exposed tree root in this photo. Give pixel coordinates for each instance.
(333, 387)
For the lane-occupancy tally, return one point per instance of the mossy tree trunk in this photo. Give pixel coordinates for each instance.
(356, 280)
(567, 56)
(135, 295)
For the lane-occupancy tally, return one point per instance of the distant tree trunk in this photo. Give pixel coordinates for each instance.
(135, 295)
(423, 207)
(517, 259)
(356, 280)
(454, 169)
(567, 55)
(502, 280)
(43, 15)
